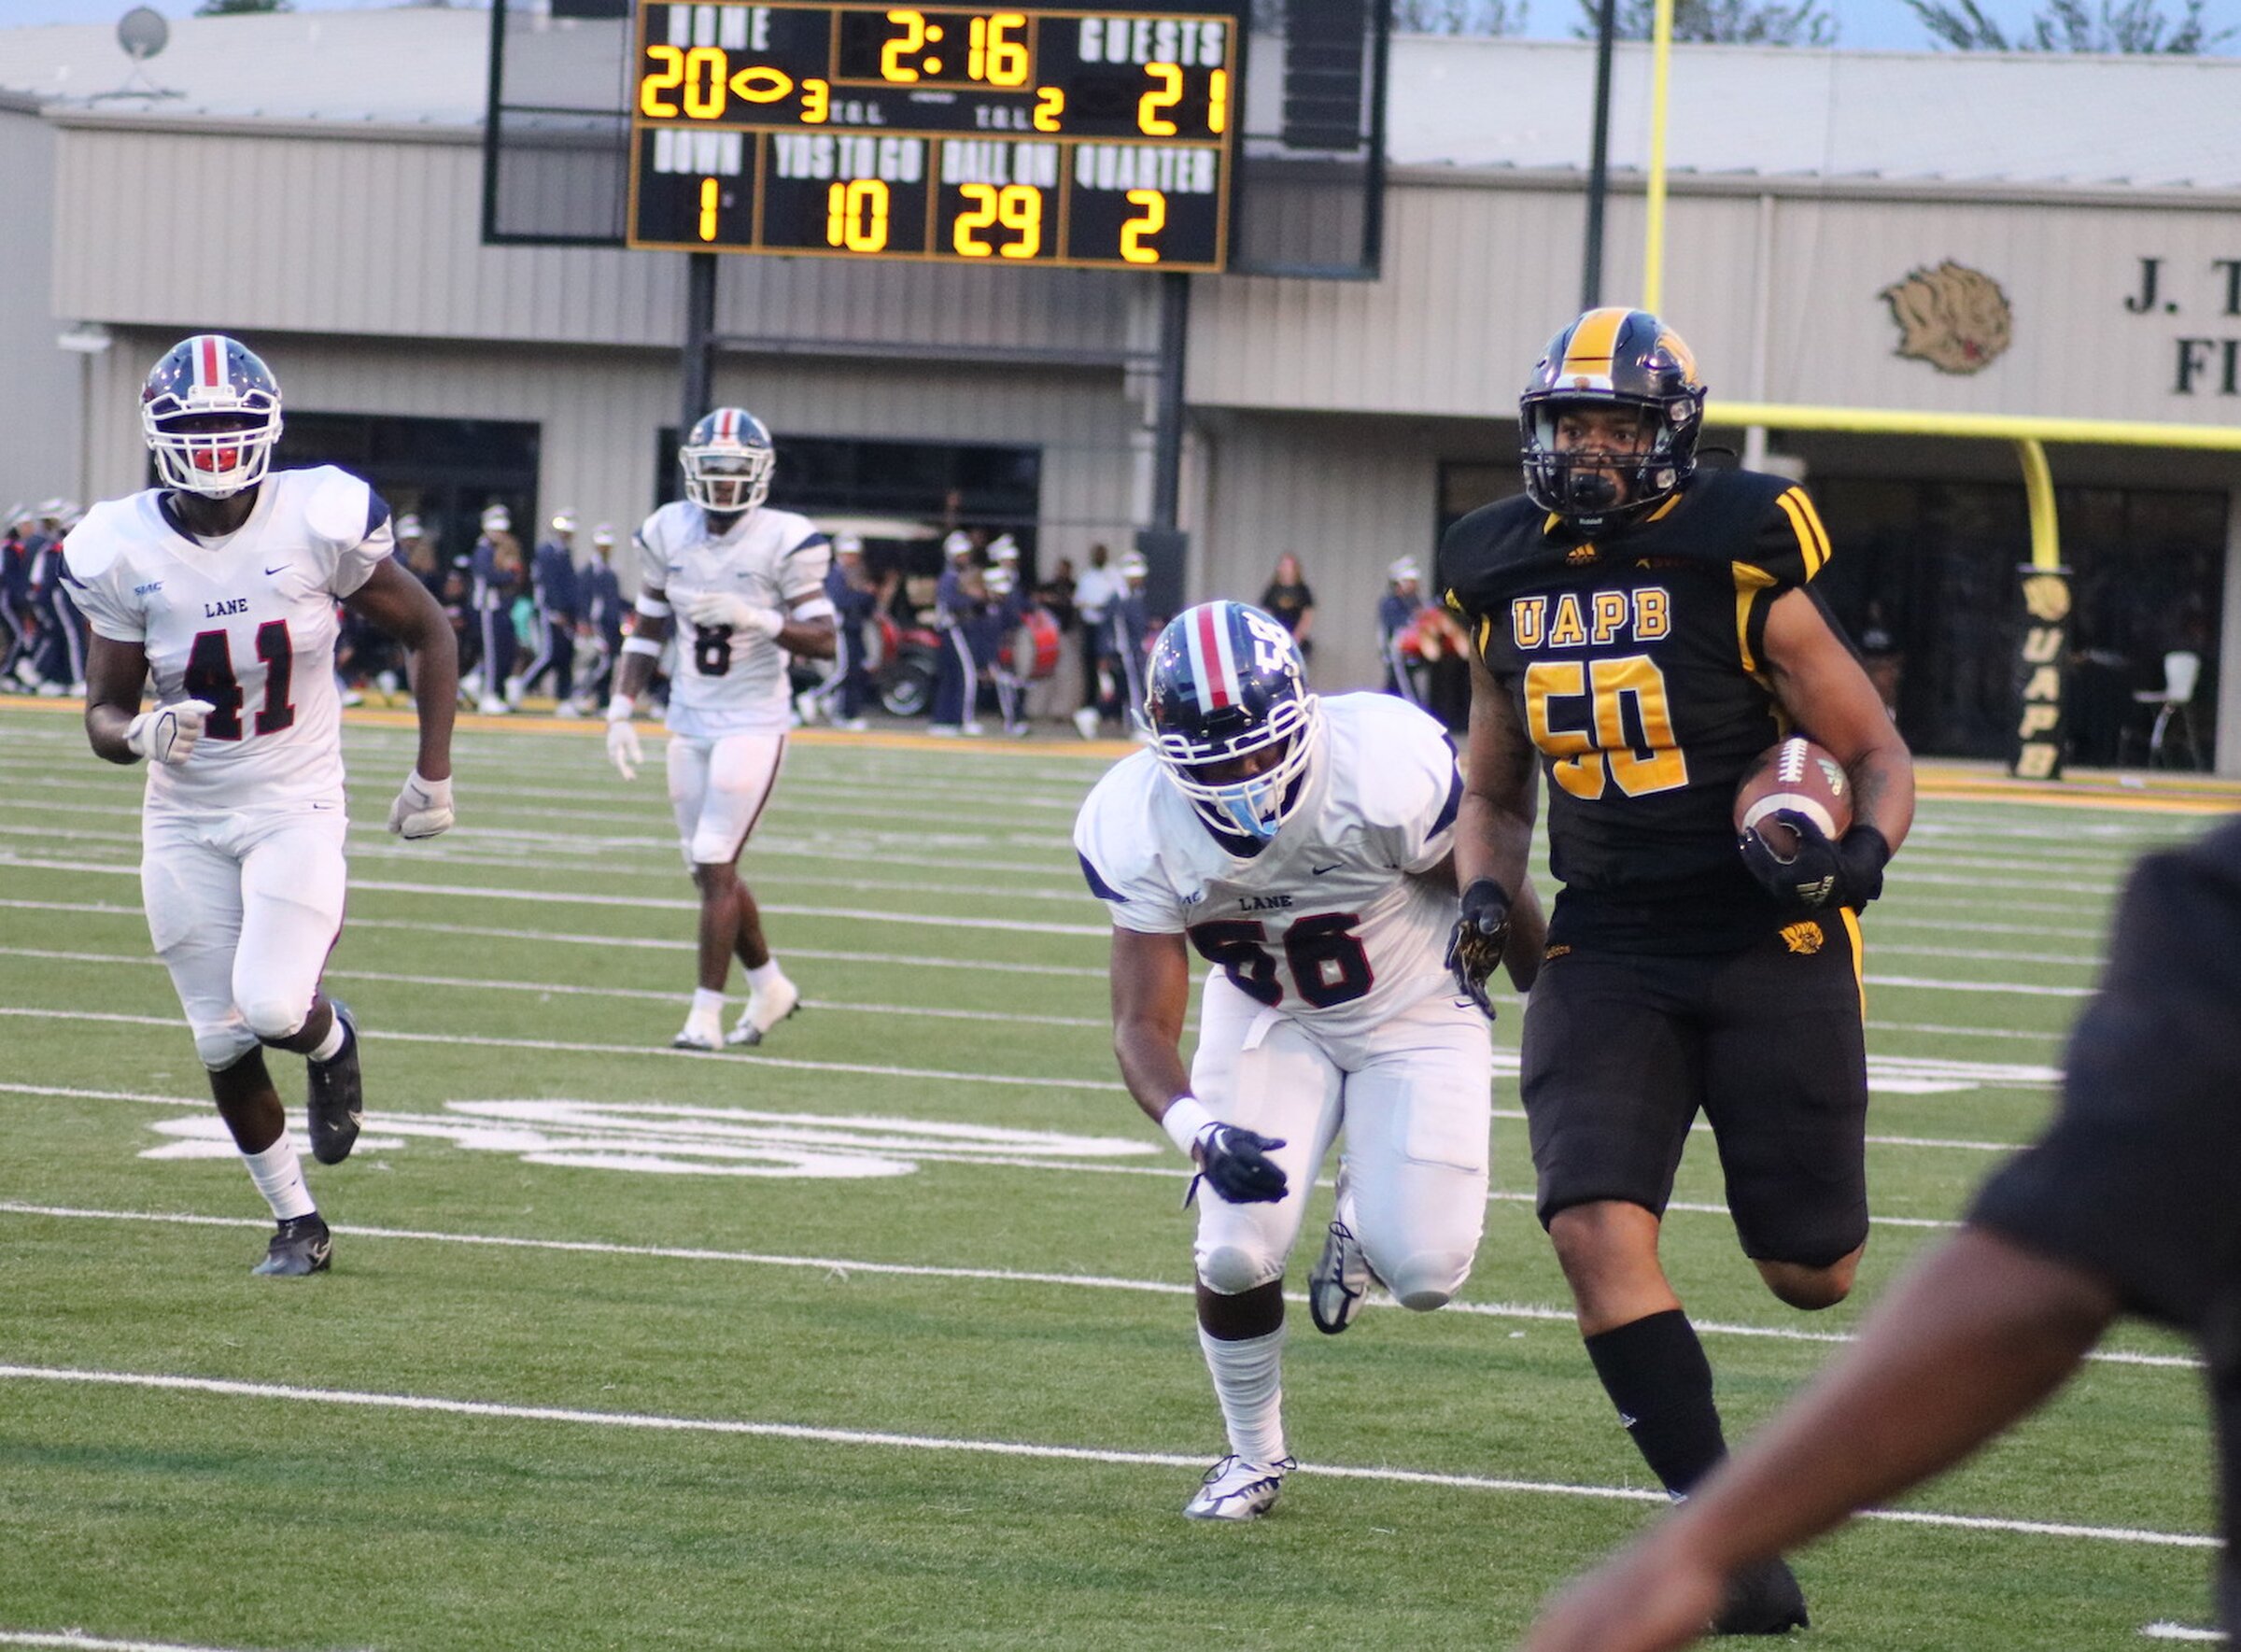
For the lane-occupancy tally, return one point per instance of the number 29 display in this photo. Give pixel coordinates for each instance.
(1032, 136)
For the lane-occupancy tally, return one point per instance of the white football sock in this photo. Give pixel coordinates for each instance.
(1248, 1380)
(766, 975)
(332, 1045)
(279, 1177)
(707, 1004)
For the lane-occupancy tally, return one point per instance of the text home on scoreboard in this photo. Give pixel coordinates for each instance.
(1036, 136)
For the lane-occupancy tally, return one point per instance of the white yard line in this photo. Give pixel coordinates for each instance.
(644, 903)
(547, 937)
(2180, 1632)
(1494, 1310)
(654, 1422)
(79, 1642)
(554, 988)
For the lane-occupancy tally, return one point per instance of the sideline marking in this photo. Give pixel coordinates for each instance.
(843, 1266)
(654, 1422)
(2180, 1632)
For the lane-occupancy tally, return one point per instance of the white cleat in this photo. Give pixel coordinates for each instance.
(491, 706)
(974, 730)
(1339, 1281)
(701, 1032)
(764, 1010)
(1235, 1490)
(1085, 722)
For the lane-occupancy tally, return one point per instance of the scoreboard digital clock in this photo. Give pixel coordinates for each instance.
(1033, 136)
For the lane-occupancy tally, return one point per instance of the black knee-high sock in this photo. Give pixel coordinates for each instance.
(1657, 1375)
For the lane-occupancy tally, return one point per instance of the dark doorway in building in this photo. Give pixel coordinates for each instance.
(1926, 572)
(444, 471)
(984, 489)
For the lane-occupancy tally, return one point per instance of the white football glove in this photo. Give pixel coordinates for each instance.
(423, 809)
(725, 608)
(623, 749)
(168, 734)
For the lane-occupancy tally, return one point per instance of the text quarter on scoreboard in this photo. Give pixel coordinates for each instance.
(1029, 137)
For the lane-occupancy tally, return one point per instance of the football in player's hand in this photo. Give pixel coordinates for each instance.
(1796, 775)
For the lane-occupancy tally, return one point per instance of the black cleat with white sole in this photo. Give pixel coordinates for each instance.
(303, 1246)
(336, 1099)
(1762, 1600)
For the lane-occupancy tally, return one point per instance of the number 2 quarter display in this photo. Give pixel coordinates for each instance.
(1036, 136)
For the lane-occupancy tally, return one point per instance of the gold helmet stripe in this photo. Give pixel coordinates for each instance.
(1594, 338)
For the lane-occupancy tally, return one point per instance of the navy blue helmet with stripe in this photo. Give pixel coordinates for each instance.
(729, 458)
(210, 412)
(1232, 722)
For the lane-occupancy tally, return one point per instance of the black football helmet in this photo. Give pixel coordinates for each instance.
(211, 413)
(1227, 681)
(1612, 357)
(727, 461)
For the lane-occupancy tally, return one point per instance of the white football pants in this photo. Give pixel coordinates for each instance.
(243, 909)
(1415, 1097)
(718, 789)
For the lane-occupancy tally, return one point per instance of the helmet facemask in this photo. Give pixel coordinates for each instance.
(1256, 806)
(1593, 484)
(216, 449)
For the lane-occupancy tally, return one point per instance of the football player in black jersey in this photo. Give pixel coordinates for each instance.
(1642, 632)
(2130, 1203)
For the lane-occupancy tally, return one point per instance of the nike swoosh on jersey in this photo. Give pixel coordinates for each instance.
(282, 569)
(1332, 868)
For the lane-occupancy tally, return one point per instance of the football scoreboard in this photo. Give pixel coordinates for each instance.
(1036, 136)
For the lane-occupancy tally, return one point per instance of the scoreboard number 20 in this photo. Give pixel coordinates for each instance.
(1021, 137)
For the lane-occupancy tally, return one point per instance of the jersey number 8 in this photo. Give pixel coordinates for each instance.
(712, 650)
(1328, 963)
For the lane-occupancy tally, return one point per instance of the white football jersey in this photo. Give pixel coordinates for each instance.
(247, 623)
(1324, 924)
(728, 681)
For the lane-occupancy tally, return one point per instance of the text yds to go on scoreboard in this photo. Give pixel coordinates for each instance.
(1037, 136)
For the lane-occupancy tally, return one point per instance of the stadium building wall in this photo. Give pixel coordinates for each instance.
(42, 456)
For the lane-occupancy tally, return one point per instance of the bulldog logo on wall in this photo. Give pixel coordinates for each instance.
(1954, 317)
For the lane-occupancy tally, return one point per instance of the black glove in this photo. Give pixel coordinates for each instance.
(1821, 875)
(1480, 935)
(1236, 1163)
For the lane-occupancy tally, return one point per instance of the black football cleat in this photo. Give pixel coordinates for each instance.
(1762, 1600)
(336, 1099)
(303, 1246)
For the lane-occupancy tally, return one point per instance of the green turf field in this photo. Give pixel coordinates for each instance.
(881, 1337)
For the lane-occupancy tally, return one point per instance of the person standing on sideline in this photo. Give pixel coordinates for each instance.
(1645, 631)
(62, 657)
(1094, 594)
(748, 586)
(553, 590)
(222, 585)
(2130, 1203)
(1289, 599)
(855, 600)
(600, 623)
(1396, 623)
(497, 574)
(956, 603)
